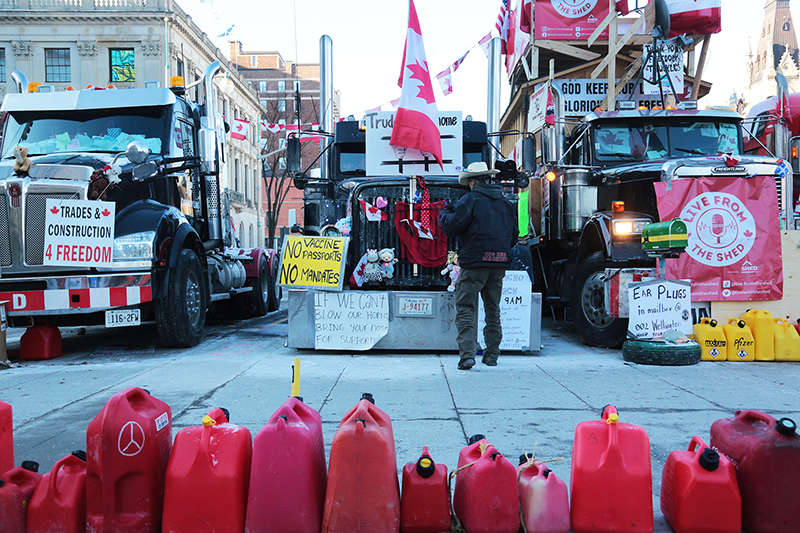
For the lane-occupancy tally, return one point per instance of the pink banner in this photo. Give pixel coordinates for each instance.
(734, 250)
(569, 19)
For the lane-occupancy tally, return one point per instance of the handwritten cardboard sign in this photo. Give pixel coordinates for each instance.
(79, 233)
(515, 312)
(313, 262)
(350, 320)
(659, 306)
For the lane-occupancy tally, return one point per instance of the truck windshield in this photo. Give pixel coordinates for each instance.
(102, 130)
(641, 141)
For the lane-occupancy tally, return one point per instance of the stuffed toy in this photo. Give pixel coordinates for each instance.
(23, 162)
(387, 262)
(99, 184)
(453, 269)
(372, 270)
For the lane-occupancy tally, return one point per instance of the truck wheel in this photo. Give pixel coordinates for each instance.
(589, 313)
(260, 296)
(275, 290)
(181, 315)
(661, 353)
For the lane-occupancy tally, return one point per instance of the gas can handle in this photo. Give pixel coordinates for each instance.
(783, 321)
(609, 410)
(54, 473)
(705, 320)
(697, 444)
(753, 414)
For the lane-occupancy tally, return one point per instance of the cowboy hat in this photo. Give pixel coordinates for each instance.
(475, 171)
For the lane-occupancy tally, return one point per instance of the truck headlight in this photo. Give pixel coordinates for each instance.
(135, 247)
(629, 226)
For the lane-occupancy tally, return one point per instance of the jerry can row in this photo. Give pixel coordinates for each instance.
(756, 336)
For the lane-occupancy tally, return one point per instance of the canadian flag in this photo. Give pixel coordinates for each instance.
(272, 127)
(417, 119)
(445, 81)
(239, 130)
(373, 213)
(694, 16)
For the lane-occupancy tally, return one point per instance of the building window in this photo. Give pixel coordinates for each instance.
(282, 163)
(56, 65)
(252, 240)
(2, 65)
(236, 175)
(254, 61)
(255, 187)
(296, 85)
(263, 102)
(262, 86)
(179, 68)
(281, 106)
(123, 67)
(247, 181)
(281, 86)
(224, 108)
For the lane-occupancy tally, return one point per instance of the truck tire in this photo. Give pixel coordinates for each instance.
(661, 353)
(181, 315)
(587, 301)
(275, 290)
(260, 296)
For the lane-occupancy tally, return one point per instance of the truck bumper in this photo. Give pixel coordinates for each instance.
(75, 294)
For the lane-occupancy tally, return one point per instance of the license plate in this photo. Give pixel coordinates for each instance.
(123, 317)
(415, 306)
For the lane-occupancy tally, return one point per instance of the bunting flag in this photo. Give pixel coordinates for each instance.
(484, 44)
(416, 124)
(271, 127)
(239, 130)
(445, 81)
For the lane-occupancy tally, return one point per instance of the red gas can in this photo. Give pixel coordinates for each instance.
(39, 342)
(611, 480)
(59, 502)
(699, 493)
(363, 494)
(424, 501)
(209, 470)
(543, 497)
(486, 499)
(6, 437)
(287, 483)
(766, 453)
(18, 485)
(127, 450)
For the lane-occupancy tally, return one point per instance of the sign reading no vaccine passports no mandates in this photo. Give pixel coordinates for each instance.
(313, 262)
(79, 233)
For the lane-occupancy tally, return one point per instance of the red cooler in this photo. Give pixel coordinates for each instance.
(59, 502)
(288, 477)
(543, 497)
(424, 502)
(18, 486)
(127, 450)
(6, 438)
(486, 499)
(363, 495)
(611, 480)
(766, 452)
(208, 472)
(699, 493)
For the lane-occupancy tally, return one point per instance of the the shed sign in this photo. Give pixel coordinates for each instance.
(79, 233)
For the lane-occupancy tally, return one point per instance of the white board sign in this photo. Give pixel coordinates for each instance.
(538, 108)
(659, 306)
(386, 160)
(515, 312)
(79, 233)
(671, 59)
(350, 320)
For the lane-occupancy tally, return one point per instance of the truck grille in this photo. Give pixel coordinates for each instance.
(35, 206)
(383, 234)
(5, 238)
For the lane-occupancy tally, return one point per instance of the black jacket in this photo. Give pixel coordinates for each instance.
(485, 224)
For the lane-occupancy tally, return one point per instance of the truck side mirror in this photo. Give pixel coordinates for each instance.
(293, 154)
(528, 154)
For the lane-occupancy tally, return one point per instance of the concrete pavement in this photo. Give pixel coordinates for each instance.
(526, 402)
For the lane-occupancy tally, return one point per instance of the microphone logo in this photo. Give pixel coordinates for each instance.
(718, 228)
(721, 229)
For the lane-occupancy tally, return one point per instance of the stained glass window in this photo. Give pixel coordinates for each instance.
(123, 67)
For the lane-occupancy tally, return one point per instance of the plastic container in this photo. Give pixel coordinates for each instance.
(363, 493)
(543, 497)
(699, 492)
(486, 498)
(40, 342)
(6, 437)
(424, 501)
(127, 451)
(289, 474)
(611, 480)
(766, 452)
(762, 326)
(741, 345)
(711, 338)
(787, 341)
(59, 502)
(18, 486)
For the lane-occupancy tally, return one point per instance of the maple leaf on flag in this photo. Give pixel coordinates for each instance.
(420, 72)
(106, 212)
(54, 210)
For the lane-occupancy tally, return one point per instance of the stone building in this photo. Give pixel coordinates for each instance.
(777, 52)
(130, 43)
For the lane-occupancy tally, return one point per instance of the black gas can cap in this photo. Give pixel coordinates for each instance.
(709, 459)
(367, 396)
(226, 413)
(525, 457)
(33, 466)
(475, 438)
(786, 427)
(80, 454)
(425, 466)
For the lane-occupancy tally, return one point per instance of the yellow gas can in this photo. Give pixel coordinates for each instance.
(762, 326)
(787, 341)
(741, 345)
(711, 339)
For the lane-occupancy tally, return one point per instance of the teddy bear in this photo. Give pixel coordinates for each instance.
(453, 269)
(387, 262)
(99, 184)
(372, 270)
(23, 162)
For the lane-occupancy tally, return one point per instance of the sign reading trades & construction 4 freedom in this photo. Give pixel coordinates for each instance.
(79, 233)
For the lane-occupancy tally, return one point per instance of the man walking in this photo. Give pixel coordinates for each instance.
(485, 224)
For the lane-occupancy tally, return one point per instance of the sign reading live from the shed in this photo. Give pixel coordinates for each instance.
(313, 262)
(515, 312)
(659, 306)
(79, 233)
(350, 320)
